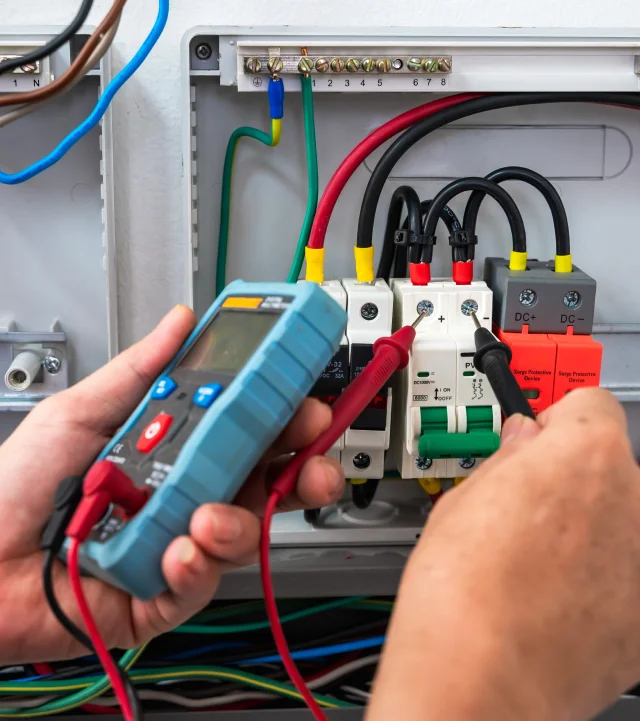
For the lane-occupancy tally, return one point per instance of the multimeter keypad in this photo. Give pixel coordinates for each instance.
(163, 388)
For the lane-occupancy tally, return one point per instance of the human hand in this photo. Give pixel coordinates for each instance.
(60, 438)
(521, 598)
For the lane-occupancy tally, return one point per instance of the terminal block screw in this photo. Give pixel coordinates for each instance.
(52, 364)
(275, 65)
(468, 307)
(368, 65)
(397, 64)
(414, 64)
(322, 65)
(430, 65)
(383, 65)
(423, 464)
(467, 463)
(361, 461)
(29, 68)
(572, 299)
(305, 66)
(444, 65)
(369, 311)
(528, 297)
(353, 65)
(253, 65)
(204, 51)
(425, 306)
(337, 65)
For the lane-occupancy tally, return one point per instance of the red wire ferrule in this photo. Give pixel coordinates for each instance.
(420, 273)
(104, 484)
(462, 272)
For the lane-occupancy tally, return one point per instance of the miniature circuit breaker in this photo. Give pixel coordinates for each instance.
(546, 318)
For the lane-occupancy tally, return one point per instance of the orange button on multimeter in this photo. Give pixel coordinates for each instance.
(154, 432)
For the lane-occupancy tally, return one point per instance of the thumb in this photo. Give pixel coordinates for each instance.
(517, 429)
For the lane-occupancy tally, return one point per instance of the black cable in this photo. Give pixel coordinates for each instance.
(54, 44)
(460, 244)
(421, 129)
(363, 494)
(312, 515)
(80, 636)
(402, 196)
(540, 183)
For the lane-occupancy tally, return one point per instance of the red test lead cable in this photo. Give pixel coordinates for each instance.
(390, 354)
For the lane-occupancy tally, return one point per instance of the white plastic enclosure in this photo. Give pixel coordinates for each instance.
(56, 232)
(589, 152)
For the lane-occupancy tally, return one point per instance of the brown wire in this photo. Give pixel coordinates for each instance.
(74, 69)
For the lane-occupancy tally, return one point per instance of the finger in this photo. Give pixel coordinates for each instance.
(321, 483)
(584, 406)
(229, 533)
(104, 400)
(518, 429)
(192, 577)
(312, 418)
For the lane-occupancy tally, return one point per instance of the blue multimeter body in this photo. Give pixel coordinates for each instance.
(210, 417)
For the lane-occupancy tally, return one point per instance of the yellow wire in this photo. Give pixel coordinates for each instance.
(276, 131)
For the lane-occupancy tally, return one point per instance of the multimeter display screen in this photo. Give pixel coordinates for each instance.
(229, 341)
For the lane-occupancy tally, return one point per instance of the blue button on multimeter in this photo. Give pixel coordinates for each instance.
(163, 388)
(224, 400)
(206, 395)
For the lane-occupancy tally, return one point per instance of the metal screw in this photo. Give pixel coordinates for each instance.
(423, 464)
(337, 65)
(52, 364)
(322, 65)
(368, 65)
(353, 65)
(425, 306)
(384, 65)
(444, 65)
(253, 65)
(397, 64)
(430, 65)
(467, 463)
(572, 299)
(361, 461)
(414, 64)
(275, 65)
(204, 51)
(29, 68)
(369, 311)
(468, 307)
(528, 297)
(305, 66)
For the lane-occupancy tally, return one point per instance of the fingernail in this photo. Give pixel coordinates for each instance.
(518, 427)
(187, 551)
(225, 525)
(334, 482)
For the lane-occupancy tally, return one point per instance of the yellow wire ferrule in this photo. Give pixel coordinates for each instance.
(517, 261)
(364, 264)
(564, 263)
(315, 264)
(276, 131)
(358, 481)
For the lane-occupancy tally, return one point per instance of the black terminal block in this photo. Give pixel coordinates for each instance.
(546, 301)
(374, 416)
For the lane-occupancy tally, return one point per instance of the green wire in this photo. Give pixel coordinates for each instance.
(312, 178)
(93, 690)
(259, 625)
(225, 206)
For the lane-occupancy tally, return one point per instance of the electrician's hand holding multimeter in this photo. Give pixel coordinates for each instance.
(206, 422)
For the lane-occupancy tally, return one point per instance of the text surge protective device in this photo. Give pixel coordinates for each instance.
(210, 417)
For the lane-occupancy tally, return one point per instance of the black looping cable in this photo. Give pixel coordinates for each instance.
(404, 196)
(362, 494)
(540, 183)
(54, 44)
(487, 187)
(410, 137)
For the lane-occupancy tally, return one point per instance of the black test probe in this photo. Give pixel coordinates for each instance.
(492, 358)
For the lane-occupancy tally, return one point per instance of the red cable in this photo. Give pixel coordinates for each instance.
(92, 629)
(390, 355)
(360, 153)
(43, 669)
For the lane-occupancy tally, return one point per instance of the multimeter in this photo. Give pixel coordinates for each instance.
(209, 418)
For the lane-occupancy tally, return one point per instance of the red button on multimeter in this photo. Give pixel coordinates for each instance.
(154, 432)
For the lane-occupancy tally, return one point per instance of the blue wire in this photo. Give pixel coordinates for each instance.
(319, 652)
(193, 652)
(101, 108)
